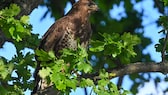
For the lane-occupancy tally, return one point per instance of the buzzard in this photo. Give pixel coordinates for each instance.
(65, 32)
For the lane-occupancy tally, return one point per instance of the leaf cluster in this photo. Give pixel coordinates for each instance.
(65, 72)
(15, 74)
(117, 46)
(12, 78)
(163, 42)
(13, 28)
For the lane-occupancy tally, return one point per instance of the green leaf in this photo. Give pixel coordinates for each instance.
(51, 54)
(61, 86)
(3, 90)
(112, 49)
(11, 31)
(111, 38)
(10, 67)
(72, 83)
(3, 74)
(103, 74)
(113, 88)
(163, 22)
(19, 27)
(66, 52)
(44, 72)
(160, 45)
(13, 10)
(43, 55)
(165, 2)
(82, 51)
(18, 38)
(130, 40)
(5, 69)
(126, 92)
(58, 66)
(103, 82)
(24, 19)
(86, 82)
(55, 76)
(84, 67)
(97, 46)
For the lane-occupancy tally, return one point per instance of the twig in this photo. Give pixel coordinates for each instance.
(85, 91)
(91, 91)
(72, 1)
(120, 80)
(164, 47)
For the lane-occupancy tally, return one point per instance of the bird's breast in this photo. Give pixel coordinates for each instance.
(68, 40)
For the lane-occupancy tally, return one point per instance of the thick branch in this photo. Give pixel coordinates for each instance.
(138, 67)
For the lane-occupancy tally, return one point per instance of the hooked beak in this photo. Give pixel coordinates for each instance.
(94, 7)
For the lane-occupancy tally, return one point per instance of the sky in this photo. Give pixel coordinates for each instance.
(41, 26)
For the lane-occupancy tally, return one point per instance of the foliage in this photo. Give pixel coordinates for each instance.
(65, 72)
(163, 41)
(17, 28)
(12, 79)
(117, 46)
(165, 2)
(116, 41)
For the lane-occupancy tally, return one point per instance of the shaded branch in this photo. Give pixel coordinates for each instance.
(138, 67)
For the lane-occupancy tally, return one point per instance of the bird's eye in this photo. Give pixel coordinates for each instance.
(90, 4)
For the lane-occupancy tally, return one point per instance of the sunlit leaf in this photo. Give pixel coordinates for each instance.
(44, 72)
(84, 67)
(24, 19)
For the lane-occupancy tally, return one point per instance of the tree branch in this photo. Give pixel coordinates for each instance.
(138, 67)
(26, 6)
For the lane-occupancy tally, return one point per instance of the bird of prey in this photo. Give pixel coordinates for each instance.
(66, 31)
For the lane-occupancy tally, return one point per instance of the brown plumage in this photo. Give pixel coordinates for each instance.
(65, 32)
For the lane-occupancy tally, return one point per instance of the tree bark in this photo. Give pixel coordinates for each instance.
(138, 67)
(26, 6)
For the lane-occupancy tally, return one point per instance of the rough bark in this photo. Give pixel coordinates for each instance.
(138, 67)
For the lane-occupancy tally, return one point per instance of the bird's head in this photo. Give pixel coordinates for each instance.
(86, 5)
(90, 5)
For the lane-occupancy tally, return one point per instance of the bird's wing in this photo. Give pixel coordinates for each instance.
(51, 37)
(55, 33)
